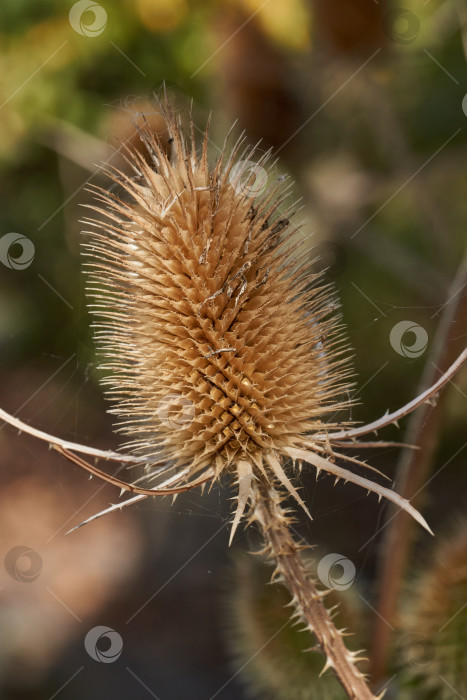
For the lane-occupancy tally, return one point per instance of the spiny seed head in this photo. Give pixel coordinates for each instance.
(223, 347)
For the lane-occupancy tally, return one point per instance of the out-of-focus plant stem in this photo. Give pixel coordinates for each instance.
(413, 471)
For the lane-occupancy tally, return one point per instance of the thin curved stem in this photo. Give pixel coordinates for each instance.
(131, 487)
(66, 444)
(357, 444)
(389, 418)
(412, 473)
(106, 511)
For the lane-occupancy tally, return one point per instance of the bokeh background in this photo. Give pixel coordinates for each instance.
(364, 103)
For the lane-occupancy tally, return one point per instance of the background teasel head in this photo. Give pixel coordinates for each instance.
(220, 342)
(432, 658)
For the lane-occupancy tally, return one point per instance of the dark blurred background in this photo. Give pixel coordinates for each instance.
(365, 105)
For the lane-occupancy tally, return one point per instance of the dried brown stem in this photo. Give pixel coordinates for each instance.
(388, 418)
(66, 444)
(307, 600)
(412, 472)
(124, 486)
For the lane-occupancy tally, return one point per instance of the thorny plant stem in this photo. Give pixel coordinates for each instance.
(284, 553)
(412, 471)
(389, 418)
(66, 444)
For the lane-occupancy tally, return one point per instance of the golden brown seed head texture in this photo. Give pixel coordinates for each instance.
(223, 347)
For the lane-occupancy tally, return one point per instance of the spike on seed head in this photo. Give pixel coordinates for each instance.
(206, 316)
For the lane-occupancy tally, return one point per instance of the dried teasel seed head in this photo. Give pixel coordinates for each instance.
(224, 349)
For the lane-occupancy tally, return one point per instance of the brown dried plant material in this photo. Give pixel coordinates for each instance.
(225, 353)
(200, 298)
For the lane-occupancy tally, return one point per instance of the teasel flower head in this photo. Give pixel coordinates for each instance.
(224, 351)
